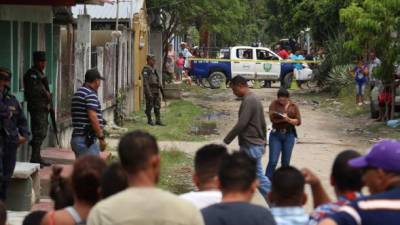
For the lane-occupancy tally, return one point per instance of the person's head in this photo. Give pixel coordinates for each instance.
(3, 214)
(372, 55)
(113, 180)
(239, 86)
(183, 45)
(34, 218)
(60, 189)
(237, 175)
(360, 63)
(86, 178)
(206, 165)
(39, 60)
(287, 188)
(93, 78)
(343, 177)
(283, 96)
(381, 166)
(151, 60)
(170, 47)
(139, 155)
(5, 77)
(180, 55)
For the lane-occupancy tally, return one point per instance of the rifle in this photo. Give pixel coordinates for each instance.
(51, 110)
(163, 95)
(54, 124)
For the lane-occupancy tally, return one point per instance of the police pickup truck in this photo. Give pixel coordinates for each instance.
(253, 63)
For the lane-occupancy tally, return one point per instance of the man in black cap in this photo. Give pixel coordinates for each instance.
(87, 117)
(38, 97)
(13, 132)
(152, 85)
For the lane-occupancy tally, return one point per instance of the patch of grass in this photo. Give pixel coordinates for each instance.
(176, 171)
(384, 131)
(179, 118)
(348, 99)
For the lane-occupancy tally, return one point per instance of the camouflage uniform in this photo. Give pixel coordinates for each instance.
(152, 86)
(37, 94)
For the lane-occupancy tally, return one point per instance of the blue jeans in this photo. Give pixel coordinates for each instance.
(78, 145)
(278, 143)
(256, 152)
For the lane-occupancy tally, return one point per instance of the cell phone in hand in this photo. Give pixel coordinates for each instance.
(279, 114)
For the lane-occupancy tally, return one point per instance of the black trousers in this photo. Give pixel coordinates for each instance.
(8, 158)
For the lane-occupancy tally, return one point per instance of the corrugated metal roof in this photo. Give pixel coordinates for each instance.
(127, 8)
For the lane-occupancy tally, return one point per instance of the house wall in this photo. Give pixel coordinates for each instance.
(18, 40)
(140, 51)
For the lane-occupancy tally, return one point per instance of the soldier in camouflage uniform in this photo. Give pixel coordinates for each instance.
(152, 85)
(38, 96)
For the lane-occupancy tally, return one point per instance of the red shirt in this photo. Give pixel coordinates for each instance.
(283, 54)
(180, 62)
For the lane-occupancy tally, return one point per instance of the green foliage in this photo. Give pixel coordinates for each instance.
(288, 18)
(120, 108)
(339, 77)
(371, 25)
(176, 171)
(335, 55)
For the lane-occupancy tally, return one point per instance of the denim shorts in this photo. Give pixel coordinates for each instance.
(78, 145)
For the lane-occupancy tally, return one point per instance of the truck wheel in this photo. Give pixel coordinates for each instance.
(216, 79)
(287, 80)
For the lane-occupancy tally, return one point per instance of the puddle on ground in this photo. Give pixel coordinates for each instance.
(207, 124)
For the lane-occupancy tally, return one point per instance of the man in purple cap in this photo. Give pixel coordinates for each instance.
(382, 176)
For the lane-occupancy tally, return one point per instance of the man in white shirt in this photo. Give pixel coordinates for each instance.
(206, 164)
(143, 203)
(372, 64)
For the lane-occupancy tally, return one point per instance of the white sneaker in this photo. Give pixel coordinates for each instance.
(360, 104)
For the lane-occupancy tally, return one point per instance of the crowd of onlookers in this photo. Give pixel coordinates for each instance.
(125, 192)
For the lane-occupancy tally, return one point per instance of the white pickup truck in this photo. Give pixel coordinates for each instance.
(253, 63)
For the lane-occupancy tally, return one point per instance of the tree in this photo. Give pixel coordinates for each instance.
(373, 25)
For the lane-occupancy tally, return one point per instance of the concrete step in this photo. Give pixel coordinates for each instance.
(58, 156)
(64, 155)
(45, 174)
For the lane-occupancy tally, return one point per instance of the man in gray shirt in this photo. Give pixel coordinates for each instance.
(250, 129)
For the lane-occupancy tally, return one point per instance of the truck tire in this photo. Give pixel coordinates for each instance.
(374, 111)
(287, 80)
(216, 79)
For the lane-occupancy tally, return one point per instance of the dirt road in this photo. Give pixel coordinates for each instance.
(321, 137)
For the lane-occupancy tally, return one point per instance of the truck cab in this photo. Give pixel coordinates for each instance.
(253, 63)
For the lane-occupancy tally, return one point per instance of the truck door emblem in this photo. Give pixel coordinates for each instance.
(267, 67)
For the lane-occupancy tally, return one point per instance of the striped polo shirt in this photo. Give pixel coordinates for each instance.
(83, 100)
(377, 209)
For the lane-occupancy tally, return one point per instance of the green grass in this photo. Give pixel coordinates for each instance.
(384, 131)
(179, 117)
(176, 171)
(346, 98)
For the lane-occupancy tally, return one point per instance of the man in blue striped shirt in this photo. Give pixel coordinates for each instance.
(87, 117)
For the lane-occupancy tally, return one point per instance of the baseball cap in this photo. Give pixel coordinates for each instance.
(92, 75)
(384, 155)
(39, 56)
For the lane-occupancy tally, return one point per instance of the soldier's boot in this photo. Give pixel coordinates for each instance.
(149, 120)
(37, 158)
(158, 119)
